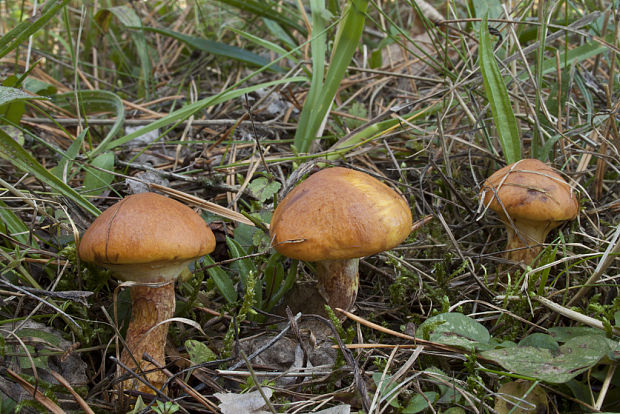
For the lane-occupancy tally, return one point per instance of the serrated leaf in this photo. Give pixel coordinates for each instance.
(263, 189)
(199, 353)
(571, 359)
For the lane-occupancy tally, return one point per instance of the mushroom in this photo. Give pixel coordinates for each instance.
(531, 199)
(333, 218)
(147, 238)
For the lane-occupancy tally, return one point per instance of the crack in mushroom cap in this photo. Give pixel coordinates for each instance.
(530, 189)
(146, 228)
(338, 213)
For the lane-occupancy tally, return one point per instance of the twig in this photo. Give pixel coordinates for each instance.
(36, 394)
(571, 314)
(611, 253)
(69, 388)
(189, 390)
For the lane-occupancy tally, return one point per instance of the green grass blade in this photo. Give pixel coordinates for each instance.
(65, 163)
(576, 55)
(22, 31)
(347, 40)
(97, 179)
(263, 43)
(12, 225)
(217, 48)
(128, 17)
(185, 112)
(222, 281)
(308, 125)
(376, 130)
(497, 94)
(9, 95)
(21, 159)
(274, 10)
(97, 101)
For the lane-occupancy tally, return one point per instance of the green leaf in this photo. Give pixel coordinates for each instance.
(8, 95)
(499, 101)
(246, 265)
(39, 87)
(571, 359)
(456, 329)
(21, 159)
(419, 403)
(578, 54)
(20, 33)
(217, 48)
(183, 113)
(566, 333)
(263, 189)
(13, 226)
(385, 387)
(96, 101)
(199, 353)
(278, 32)
(222, 280)
(321, 93)
(66, 161)
(96, 180)
(263, 43)
(12, 100)
(128, 17)
(540, 340)
(272, 9)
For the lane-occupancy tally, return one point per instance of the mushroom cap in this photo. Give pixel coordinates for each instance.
(338, 213)
(531, 190)
(146, 228)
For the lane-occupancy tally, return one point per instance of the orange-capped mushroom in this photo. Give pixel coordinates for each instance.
(531, 199)
(335, 217)
(147, 238)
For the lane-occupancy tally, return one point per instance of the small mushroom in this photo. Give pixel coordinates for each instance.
(333, 218)
(147, 238)
(531, 199)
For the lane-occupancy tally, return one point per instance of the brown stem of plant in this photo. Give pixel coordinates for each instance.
(525, 240)
(338, 282)
(149, 306)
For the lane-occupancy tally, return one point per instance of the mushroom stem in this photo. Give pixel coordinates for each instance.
(525, 239)
(338, 282)
(149, 307)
